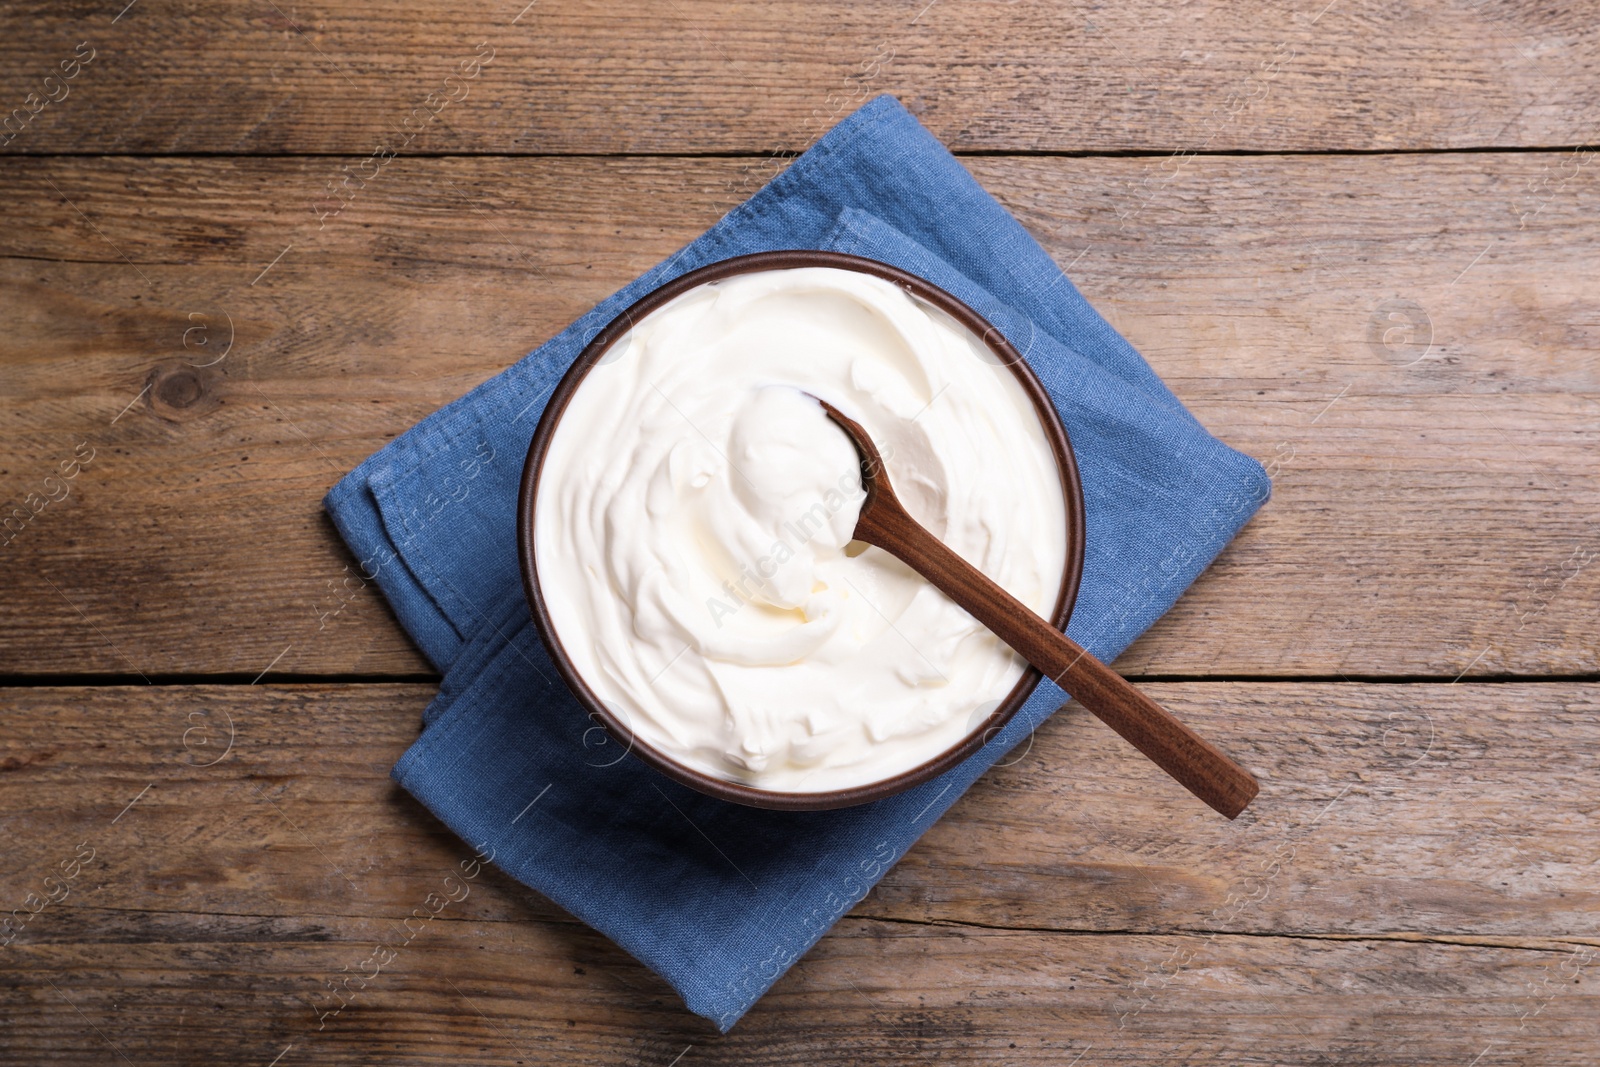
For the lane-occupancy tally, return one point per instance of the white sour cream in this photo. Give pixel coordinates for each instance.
(693, 521)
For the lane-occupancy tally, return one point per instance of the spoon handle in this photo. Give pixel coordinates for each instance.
(1197, 765)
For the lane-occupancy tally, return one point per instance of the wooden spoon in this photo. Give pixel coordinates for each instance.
(1194, 762)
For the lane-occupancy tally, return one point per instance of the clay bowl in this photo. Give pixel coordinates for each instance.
(618, 730)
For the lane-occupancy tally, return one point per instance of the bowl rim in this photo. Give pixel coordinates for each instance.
(595, 350)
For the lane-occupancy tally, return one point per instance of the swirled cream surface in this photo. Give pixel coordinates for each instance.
(693, 522)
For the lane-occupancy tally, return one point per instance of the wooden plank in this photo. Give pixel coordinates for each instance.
(871, 993)
(1433, 810)
(1410, 365)
(1353, 917)
(988, 75)
(1434, 504)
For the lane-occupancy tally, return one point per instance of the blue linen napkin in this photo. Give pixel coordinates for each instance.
(718, 899)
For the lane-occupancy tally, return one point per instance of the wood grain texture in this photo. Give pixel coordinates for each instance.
(1439, 810)
(692, 76)
(1408, 342)
(872, 993)
(1371, 908)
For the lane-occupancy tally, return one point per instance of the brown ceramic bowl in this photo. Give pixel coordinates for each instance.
(1005, 354)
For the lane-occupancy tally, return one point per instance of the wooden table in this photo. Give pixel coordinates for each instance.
(1356, 239)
